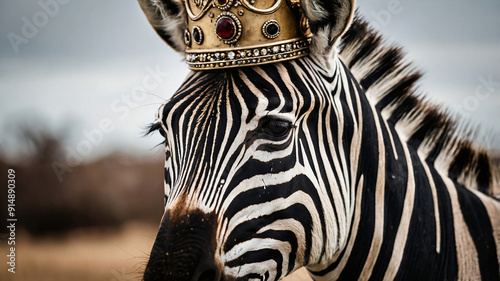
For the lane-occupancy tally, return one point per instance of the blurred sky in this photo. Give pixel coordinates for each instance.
(81, 66)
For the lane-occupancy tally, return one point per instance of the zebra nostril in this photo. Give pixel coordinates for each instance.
(210, 274)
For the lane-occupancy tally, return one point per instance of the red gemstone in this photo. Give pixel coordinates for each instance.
(221, 2)
(225, 28)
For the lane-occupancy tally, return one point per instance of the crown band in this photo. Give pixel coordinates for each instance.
(257, 55)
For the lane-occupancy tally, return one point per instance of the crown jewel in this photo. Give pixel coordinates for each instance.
(234, 33)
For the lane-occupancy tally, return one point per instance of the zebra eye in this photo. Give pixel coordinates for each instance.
(276, 128)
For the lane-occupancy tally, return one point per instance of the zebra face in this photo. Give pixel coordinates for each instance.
(248, 150)
(241, 191)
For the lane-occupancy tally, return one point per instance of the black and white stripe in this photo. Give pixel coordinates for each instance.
(341, 169)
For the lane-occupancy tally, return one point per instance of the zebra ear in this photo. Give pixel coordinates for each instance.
(328, 20)
(168, 18)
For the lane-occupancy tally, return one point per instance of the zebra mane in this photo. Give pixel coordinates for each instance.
(390, 85)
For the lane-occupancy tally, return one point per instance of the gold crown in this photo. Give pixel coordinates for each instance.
(235, 33)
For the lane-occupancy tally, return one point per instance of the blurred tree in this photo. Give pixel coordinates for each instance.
(107, 192)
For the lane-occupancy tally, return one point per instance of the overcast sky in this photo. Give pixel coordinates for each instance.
(78, 70)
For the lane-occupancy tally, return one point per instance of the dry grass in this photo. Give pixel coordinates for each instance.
(88, 256)
(84, 255)
(299, 275)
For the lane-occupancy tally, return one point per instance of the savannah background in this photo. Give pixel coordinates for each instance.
(79, 87)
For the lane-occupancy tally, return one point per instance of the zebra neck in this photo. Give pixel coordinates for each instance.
(406, 213)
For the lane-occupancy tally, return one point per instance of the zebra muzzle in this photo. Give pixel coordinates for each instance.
(184, 248)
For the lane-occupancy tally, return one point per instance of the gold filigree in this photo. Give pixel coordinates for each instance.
(269, 10)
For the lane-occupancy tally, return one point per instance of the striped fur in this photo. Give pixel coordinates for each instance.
(370, 182)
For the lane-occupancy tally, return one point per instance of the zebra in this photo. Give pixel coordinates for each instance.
(332, 161)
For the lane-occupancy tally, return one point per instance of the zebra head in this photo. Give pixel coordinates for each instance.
(246, 176)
